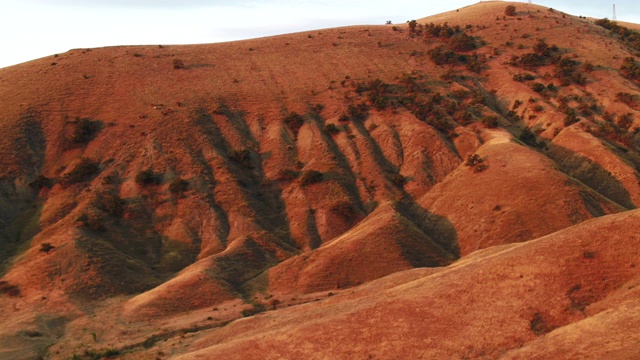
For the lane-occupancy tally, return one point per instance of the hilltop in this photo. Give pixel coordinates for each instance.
(460, 186)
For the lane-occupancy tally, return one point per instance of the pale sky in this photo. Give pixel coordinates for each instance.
(36, 28)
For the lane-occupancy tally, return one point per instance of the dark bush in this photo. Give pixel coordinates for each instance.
(147, 177)
(462, 42)
(399, 180)
(630, 69)
(625, 98)
(310, 177)
(7, 288)
(178, 64)
(46, 247)
(294, 121)
(625, 121)
(358, 113)
(522, 77)
(85, 130)
(538, 87)
(242, 157)
(331, 129)
(490, 121)
(510, 10)
(473, 160)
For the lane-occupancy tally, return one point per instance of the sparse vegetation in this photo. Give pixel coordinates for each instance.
(626, 35)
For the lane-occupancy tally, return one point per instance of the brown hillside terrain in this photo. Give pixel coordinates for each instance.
(421, 190)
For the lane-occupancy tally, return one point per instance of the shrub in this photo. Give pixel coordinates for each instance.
(46, 247)
(310, 177)
(147, 177)
(625, 98)
(331, 129)
(242, 157)
(7, 288)
(625, 121)
(178, 185)
(538, 325)
(538, 87)
(630, 69)
(522, 77)
(510, 10)
(462, 42)
(178, 64)
(359, 112)
(399, 180)
(294, 121)
(83, 171)
(85, 130)
(473, 160)
(490, 121)
(528, 137)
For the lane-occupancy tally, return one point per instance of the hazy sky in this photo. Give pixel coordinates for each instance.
(36, 28)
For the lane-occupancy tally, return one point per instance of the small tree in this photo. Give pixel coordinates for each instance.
(510, 10)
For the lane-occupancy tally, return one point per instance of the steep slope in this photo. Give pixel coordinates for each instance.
(159, 182)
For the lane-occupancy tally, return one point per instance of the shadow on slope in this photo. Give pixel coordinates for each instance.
(396, 236)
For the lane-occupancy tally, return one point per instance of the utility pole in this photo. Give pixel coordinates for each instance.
(614, 12)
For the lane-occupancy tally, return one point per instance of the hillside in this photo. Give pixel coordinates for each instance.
(459, 186)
